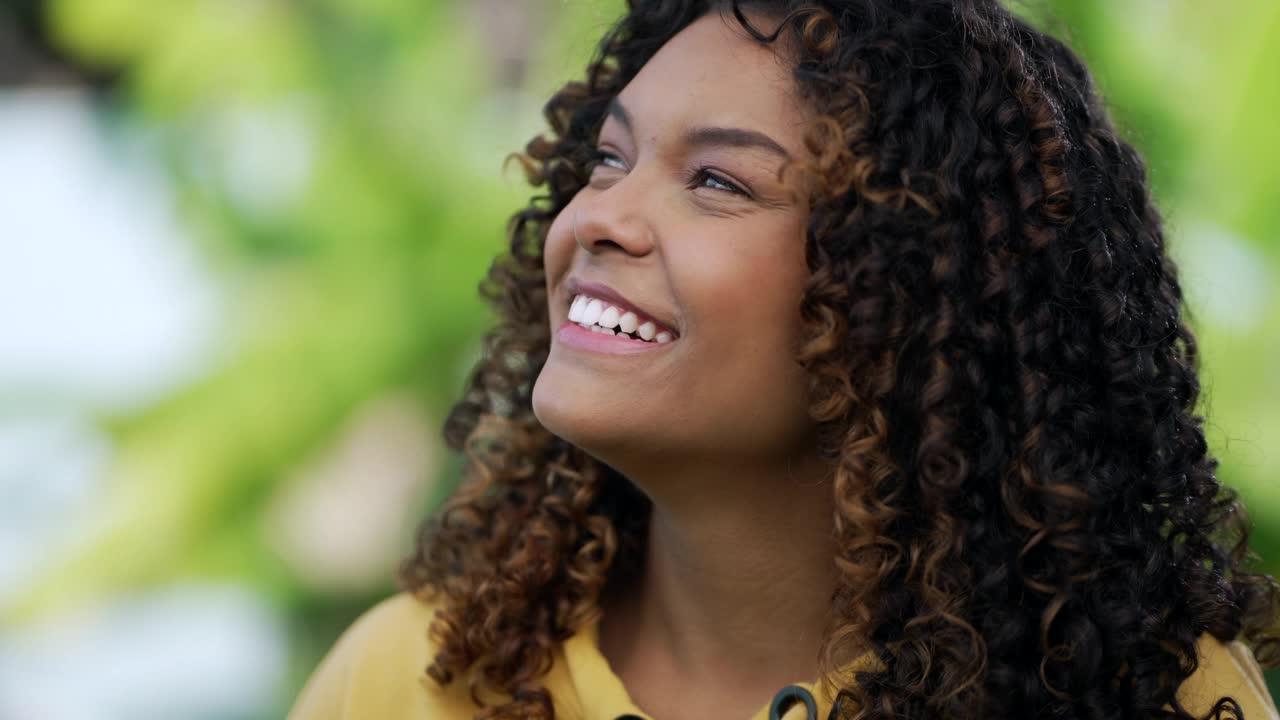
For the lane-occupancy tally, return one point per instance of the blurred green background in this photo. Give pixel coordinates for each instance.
(239, 249)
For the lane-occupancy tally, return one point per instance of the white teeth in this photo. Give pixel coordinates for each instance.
(609, 318)
(596, 316)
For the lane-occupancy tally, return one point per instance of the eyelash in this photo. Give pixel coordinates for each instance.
(697, 177)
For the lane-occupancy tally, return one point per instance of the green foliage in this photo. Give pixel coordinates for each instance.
(350, 271)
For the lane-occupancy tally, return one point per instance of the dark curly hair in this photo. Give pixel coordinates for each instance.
(1028, 523)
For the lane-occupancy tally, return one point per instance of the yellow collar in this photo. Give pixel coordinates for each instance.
(602, 695)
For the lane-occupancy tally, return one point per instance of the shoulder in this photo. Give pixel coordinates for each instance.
(377, 668)
(1227, 669)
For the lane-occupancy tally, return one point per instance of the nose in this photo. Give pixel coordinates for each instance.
(612, 220)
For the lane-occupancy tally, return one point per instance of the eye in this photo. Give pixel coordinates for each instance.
(704, 174)
(601, 157)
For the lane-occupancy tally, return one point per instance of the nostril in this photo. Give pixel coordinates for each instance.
(603, 242)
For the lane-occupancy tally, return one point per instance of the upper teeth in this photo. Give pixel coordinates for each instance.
(602, 317)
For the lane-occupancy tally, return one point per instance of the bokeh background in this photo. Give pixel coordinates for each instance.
(239, 248)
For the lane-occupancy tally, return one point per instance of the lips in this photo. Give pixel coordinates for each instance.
(603, 292)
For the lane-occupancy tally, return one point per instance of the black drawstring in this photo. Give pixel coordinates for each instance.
(787, 697)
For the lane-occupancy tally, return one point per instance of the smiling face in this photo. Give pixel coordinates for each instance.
(686, 221)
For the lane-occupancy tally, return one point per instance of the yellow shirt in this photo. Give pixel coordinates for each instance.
(373, 673)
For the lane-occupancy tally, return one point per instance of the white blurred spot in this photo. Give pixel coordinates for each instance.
(182, 653)
(1225, 280)
(101, 298)
(260, 155)
(51, 467)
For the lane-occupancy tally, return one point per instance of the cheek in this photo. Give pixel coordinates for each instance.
(748, 291)
(558, 250)
(749, 286)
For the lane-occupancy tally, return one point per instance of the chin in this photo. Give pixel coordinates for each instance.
(561, 408)
(569, 414)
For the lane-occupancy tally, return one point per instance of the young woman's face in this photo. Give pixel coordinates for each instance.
(686, 222)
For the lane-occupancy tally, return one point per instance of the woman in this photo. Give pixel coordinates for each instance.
(840, 373)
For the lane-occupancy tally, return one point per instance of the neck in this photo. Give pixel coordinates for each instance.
(736, 584)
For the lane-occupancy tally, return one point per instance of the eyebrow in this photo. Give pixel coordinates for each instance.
(703, 136)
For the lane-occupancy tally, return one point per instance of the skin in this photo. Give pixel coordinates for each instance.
(732, 602)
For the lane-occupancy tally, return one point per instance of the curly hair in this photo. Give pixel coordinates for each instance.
(1027, 519)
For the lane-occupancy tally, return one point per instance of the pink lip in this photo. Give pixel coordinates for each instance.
(604, 292)
(574, 335)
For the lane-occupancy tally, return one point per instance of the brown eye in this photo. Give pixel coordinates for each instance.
(703, 175)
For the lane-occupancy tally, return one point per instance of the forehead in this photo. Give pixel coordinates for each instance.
(713, 72)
